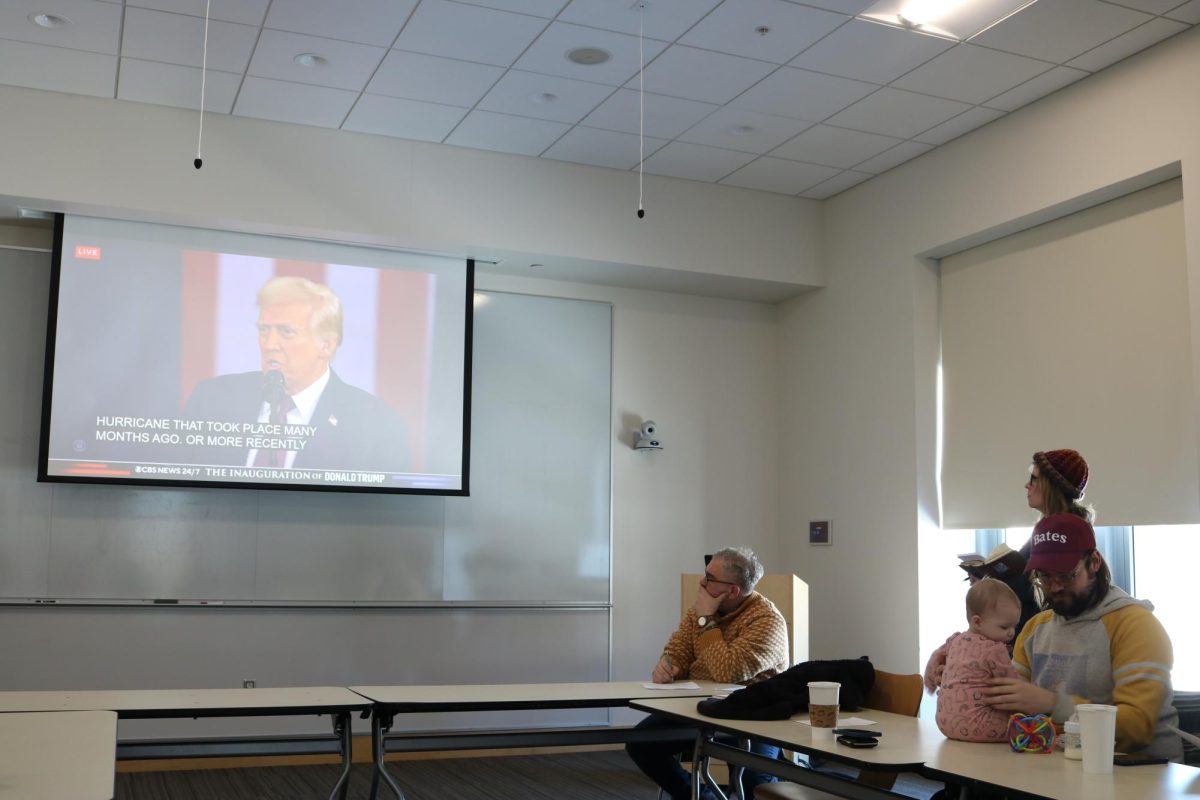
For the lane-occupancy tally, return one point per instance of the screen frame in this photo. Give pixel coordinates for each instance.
(44, 475)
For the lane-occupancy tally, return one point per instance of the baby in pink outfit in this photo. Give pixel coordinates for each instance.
(972, 658)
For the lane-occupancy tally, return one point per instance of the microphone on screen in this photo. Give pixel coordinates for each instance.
(273, 391)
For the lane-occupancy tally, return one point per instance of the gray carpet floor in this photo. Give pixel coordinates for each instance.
(605, 775)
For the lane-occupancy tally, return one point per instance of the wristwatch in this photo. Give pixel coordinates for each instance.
(701, 621)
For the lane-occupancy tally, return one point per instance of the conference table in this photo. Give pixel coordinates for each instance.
(390, 701)
(913, 744)
(338, 702)
(60, 755)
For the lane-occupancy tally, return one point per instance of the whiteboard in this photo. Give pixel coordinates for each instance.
(535, 531)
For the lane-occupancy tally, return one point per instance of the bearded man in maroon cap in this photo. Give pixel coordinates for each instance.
(1092, 643)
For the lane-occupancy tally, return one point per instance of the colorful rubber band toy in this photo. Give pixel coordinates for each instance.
(1031, 734)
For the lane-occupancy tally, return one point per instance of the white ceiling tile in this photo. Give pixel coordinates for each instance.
(179, 39)
(695, 162)
(895, 112)
(971, 74)
(1059, 30)
(834, 147)
(173, 85)
(601, 148)
(406, 119)
(1038, 87)
(953, 128)
(549, 54)
(472, 33)
(1127, 44)
(702, 74)
(905, 151)
(300, 103)
(664, 19)
(731, 29)
(485, 130)
(836, 184)
(779, 175)
(527, 94)
(416, 76)
(1188, 12)
(666, 117)
(870, 52)
(349, 66)
(365, 21)
(802, 94)
(538, 8)
(57, 69)
(246, 12)
(850, 7)
(747, 131)
(1149, 6)
(92, 26)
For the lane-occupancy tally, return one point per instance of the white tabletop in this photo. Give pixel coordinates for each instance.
(904, 741)
(484, 695)
(1051, 775)
(169, 702)
(68, 755)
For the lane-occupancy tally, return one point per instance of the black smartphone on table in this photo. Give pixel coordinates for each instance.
(1136, 759)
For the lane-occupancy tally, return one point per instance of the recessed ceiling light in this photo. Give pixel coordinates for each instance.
(44, 20)
(947, 19)
(311, 60)
(545, 98)
(588, 56)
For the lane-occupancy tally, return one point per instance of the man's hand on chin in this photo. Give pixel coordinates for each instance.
(706, 605)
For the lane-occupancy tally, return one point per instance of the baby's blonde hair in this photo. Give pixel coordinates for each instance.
(986, 594)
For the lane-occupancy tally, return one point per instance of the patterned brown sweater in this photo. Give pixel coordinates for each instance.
(748, 645)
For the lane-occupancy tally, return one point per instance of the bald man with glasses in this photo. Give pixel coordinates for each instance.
(730, 634)
(1092, 643)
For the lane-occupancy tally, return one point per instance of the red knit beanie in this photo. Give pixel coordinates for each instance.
(1066, 469)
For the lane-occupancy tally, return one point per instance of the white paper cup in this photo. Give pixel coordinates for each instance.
(823, 707)
(1097, 733)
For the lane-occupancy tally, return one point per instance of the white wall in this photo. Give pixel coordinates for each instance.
(102, 156)
(859, 356)
(706, 371)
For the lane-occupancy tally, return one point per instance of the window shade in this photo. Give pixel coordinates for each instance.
(1072, 334)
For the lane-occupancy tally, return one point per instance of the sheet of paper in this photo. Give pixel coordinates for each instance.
(845, 722)
(672, 686)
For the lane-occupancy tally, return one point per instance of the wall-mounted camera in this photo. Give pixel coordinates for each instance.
(647, 437)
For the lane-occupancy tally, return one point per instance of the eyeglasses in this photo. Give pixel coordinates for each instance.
(1031, 479)
(708, 578)
(1056, 578)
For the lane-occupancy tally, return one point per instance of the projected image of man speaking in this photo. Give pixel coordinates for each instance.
(295, 412)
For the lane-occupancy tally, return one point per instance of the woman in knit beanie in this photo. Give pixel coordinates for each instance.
(1056, 482)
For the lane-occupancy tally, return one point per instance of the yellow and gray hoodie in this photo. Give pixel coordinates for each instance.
(1116, 653)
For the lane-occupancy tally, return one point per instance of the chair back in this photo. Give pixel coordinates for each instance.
(898, 694)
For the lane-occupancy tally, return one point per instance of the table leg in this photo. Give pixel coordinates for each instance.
(701, 774)
(343, 730)
(381, 723)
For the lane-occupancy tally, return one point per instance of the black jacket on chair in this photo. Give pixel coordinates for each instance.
(787, 693)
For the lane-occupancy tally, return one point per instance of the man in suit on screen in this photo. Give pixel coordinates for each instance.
(304, 415)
